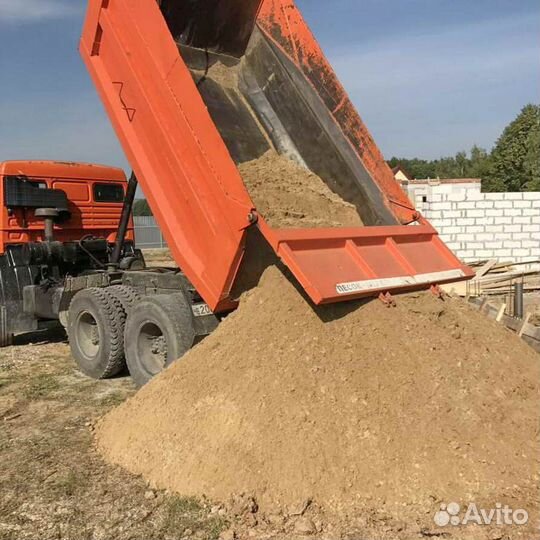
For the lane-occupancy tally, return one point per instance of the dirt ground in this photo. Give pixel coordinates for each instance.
(53, 485)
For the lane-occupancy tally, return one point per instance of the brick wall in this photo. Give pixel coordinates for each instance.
(479, 225)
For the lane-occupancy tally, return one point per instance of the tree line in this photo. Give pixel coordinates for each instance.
(512, 165)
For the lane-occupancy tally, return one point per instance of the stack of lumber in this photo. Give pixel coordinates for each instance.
(498, 278)
(527, 329)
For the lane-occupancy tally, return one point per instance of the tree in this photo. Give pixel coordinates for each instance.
(516, 156)
(513, 164)
(532, 159)
(142, 208)
(462, 165)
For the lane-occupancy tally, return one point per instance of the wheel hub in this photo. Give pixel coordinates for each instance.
(159, 346)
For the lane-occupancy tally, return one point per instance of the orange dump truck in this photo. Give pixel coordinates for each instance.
(193, 90)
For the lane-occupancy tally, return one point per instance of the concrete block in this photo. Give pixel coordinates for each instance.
(456, 197)
(476, 213)
(496, 213)
(536, 204)
(521, 236)
(482, 237)
(531, 196)
(475, 196)
(494, 245)
(529, 212)
(452, 214)
(513, 196)
(530, 244)
(536, 219)
(473, 245)
(522, 253)
(494, 196)
(451, 230)
(433, 214)
(465, 222)
(503, 204)
(485, 204)
(512, 228)
(484, 253)
(531, 228)
(473, 229)
(467, 205)
(441, 206)
(486, 221)
(522, 204)
(499, 253)
(512, 212)
(522, 220)
(512, 244)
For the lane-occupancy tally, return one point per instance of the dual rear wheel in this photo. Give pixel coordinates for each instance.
(114, 328)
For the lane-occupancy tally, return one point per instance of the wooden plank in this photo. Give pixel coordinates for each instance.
(525, 323)
(500, 315)
(486, 268)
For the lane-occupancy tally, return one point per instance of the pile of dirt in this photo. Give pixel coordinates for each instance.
(288, 195)
(368, 411)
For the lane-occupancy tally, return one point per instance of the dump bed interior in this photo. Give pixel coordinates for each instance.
(195, 89)
(260, 98)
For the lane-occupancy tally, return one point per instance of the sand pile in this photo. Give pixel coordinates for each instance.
(287, 195)
(366, 410)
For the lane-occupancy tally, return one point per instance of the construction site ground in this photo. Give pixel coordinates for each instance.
(55, 485)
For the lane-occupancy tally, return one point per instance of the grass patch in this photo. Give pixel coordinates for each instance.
(67, 484)
(113, 399)
(183, 513)
(41, 387)
(6, 381)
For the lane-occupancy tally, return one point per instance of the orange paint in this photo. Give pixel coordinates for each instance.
(77, 180)
(194, 187)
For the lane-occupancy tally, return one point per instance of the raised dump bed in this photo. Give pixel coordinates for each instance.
(195, 89)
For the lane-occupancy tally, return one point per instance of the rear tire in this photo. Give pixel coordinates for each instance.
(126, 295)
(6, 337)
(159, 331)
(96, 333)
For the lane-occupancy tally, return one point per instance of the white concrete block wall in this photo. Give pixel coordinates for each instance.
(479, 225)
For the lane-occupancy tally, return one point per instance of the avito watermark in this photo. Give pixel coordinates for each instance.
(454, 514)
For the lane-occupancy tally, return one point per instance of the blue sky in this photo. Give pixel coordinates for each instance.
(429, 77)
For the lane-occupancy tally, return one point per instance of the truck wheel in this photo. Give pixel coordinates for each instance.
(126, 295)
(159, 330)
(6, 337)
(96, 333)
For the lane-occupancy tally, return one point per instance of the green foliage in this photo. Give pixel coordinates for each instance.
(513, 164)
(515, 158)
(142, 208)
(462, 165)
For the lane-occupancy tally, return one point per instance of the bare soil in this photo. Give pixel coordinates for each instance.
(53, 484)
(369, 417)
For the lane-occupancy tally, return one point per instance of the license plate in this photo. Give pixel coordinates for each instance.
(201, 310)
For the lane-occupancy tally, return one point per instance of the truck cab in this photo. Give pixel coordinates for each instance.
(57, 219)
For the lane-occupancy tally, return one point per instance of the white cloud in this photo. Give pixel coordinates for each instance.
(28, 11)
